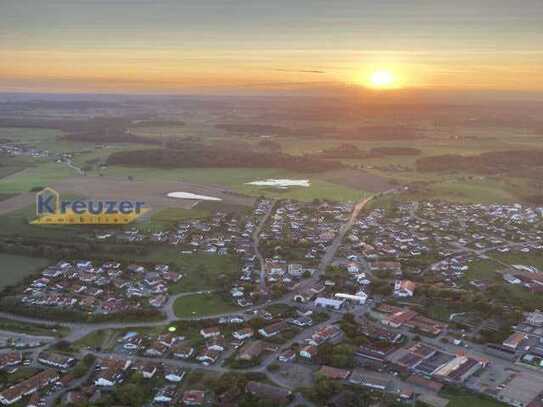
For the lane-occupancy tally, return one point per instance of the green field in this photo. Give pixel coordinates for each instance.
(9, 167)
(18, 223)
(23, 176)
(462, 398)
(481, 190)
(168, 217)
(16, 268)
(453, 187)
(201, 305)
(205, 271)
(201, 271)
(534, 258)
(41, 175)
(237, 179)
(21, 374)
(94, 340)
(43, 139)
(483, 270)
(33, 329)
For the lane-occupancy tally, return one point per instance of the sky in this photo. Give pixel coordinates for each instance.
(180, 46)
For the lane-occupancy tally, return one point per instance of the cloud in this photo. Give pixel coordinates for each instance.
(299, 70)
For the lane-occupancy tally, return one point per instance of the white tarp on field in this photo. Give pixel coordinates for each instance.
(188, 195)
(281, 183)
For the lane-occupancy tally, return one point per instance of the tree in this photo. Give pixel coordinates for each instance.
(131, 394)
(325, 388)
(340, 356)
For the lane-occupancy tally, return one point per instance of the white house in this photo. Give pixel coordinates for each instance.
(359, 298)
(404, 288)
(330, 303)
(243, 334)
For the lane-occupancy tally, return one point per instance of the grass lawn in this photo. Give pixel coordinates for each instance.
(168, 217)
(93, 340)
(441, 312)
(460, 398)
(21, 374)
(483, 270)
(32, 329)
(534, 258)
(201, 305)
(519, 296)
(201, 271)
(16, 268)
(204, 271)
(172, 215)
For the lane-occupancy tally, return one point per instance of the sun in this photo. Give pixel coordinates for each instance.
(382, 79)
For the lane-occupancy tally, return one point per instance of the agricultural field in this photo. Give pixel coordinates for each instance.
(17, 221)
(38, 176)
(17, 268)
(42, 139)
(12, 165)
(4, 197)
(455, 187)
(236, 179)
(22, 174)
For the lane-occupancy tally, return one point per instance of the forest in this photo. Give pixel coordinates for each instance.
(194, 155)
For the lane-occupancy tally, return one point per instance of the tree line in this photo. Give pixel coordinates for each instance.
(187, 155)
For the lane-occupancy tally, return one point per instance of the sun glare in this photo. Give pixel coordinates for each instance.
(382, 79)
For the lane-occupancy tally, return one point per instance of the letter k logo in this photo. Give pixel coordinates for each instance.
(47, 201)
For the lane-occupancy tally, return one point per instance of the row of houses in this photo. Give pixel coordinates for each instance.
(397, 317)
(431, 363)
(39, 381)
(107, 288)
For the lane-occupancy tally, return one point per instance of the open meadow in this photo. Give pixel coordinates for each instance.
(15, 268)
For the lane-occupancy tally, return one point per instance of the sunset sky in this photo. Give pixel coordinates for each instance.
(176, 46)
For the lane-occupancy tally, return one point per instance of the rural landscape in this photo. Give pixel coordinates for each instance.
(173, 233)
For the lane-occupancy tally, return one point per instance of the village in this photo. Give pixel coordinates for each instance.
(326, 297)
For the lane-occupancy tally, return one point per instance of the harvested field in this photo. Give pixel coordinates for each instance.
(358, 179)
(16, 202)
(153, 193)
